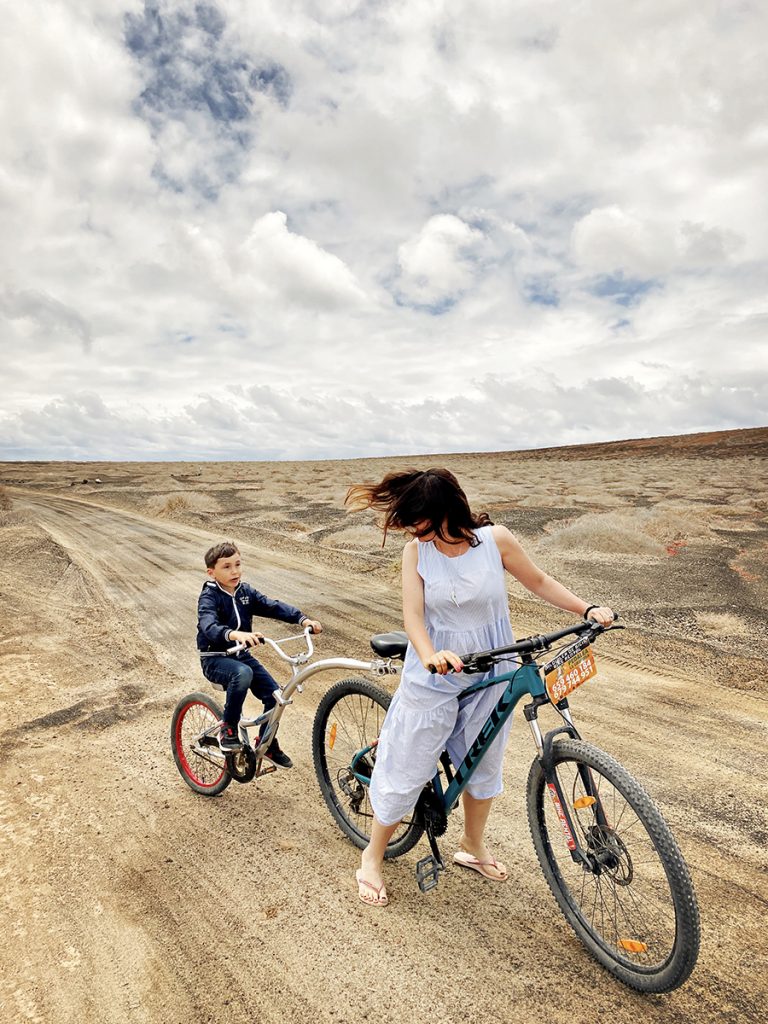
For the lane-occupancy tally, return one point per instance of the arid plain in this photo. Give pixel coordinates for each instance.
(126, 897)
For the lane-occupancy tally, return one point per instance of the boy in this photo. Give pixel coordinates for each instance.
(224, 611)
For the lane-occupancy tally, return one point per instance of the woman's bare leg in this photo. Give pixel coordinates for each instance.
(372, 862)
(475, 816)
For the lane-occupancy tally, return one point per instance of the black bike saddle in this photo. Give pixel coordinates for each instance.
(390, 645)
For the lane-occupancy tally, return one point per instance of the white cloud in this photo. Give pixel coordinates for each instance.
(295, 268)
(437, 263)
(352, 200)
(608, 240)
(45, 314)
(490, 414)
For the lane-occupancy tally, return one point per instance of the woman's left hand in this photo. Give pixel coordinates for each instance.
(603, 615)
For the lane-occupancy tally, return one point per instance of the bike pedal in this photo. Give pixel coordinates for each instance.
(266, 769)
(427, 873)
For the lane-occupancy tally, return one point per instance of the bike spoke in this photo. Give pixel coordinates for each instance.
(201, 769)
(353, 725)
(625, 898)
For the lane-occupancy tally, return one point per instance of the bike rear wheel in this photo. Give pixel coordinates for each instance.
(200, 761)
(349, 719)
(634, 906)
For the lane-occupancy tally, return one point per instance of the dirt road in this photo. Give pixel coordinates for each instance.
(128, 898)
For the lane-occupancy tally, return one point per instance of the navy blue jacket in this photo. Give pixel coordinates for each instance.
(218, 612)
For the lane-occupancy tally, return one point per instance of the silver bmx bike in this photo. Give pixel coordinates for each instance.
(197, 719)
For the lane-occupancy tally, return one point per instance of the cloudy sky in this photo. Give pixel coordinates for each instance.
(332, 228)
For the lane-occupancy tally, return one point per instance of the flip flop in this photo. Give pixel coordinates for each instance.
(467, 860)
(381, 894)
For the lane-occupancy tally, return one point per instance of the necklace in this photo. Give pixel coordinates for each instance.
(453, 588)
(453, 576)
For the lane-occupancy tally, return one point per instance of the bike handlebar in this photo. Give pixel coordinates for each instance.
(296, 659)
(481, 661)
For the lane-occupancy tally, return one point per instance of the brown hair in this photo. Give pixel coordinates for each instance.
(226, 549)
(433, 496)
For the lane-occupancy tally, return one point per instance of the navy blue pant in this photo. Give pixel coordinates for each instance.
(238, 675)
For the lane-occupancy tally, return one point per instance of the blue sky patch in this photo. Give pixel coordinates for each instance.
(193, 69)
(190, 65)
(436, 308)
(541, 292)
(624, 291)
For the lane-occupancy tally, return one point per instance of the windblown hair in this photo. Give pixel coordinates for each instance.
(226, 549)
(432, 497)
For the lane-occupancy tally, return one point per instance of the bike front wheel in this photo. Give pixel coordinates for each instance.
(632, 904)
(348, 720)
(197, 756)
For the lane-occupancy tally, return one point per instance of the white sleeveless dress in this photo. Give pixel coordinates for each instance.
(465, 609)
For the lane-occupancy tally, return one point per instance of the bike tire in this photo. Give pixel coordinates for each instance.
(637, 913)
(193, 715)
(348, 719)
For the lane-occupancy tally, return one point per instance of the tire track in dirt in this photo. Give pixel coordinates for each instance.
(154, 569)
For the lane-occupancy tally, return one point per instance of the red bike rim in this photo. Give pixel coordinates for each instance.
(182, 754)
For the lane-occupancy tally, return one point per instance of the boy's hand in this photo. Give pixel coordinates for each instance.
(238, 636)
(312, 624)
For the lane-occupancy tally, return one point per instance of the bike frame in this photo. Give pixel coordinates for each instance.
(524, 680)
(270, 720)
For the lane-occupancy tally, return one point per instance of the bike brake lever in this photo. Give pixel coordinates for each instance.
(476, 667)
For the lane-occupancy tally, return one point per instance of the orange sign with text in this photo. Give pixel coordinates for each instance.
(563, 675)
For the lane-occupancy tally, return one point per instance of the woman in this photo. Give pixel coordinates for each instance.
(454, 599)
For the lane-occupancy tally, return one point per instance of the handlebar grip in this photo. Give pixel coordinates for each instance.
(594, 622)
(243, 647)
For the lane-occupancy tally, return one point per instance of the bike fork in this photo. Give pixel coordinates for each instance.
(561, 804)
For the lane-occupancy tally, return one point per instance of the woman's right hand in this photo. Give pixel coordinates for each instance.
(443, 662)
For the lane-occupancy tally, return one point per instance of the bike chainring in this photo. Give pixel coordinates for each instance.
(432, 812)
(241, 764)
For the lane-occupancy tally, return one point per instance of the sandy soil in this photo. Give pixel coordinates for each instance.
(126, 897)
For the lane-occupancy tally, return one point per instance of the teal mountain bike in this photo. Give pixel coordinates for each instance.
(606, 852)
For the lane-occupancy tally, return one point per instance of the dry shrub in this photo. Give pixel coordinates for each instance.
(173, 506)
(5, 500)
(682, 522)
(360, 537)
(603, 535)
(722, 624)
(170, 505)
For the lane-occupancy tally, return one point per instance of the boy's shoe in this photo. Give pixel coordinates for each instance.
(278, 756)
(229, 741)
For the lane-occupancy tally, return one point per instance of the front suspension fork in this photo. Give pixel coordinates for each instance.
(545, 746)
